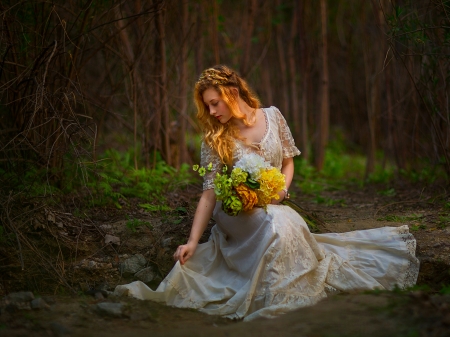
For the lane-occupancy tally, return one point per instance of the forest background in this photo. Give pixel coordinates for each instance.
(96, 96)
(81, 77)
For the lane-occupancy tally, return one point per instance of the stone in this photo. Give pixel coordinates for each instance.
(39, 304)
(21, 296)
(166, 242)
(59, 330)
(112, 239)
(110, 309)
(146, 275)
(133, 264)
(106, 227)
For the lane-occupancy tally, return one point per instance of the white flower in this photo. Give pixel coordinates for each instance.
(253, 164)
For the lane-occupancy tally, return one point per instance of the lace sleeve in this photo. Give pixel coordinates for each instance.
(209, 156)
(287, 141)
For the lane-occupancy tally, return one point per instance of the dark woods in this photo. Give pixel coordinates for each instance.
(78, 77)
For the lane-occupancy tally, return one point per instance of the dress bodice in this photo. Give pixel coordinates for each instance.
(276, 144)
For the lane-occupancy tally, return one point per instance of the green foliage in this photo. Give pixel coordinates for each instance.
(133, 224)
(444, 221)
(329, 201)
(340, 166)
(111, 180)
(416, 227)
(118, 179)
(390, 192)
(155, 208)
(445, 290)
(401, 218)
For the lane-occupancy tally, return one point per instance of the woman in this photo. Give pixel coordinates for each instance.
(262, 263)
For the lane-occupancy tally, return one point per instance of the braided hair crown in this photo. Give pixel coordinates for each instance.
(218, 75)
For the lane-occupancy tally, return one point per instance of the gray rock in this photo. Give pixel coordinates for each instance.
(166, 242)
(133, 264)
(21, 296)
(59, 330)
(110, 309)
(112, 239)
(146, 275)
(39, 304)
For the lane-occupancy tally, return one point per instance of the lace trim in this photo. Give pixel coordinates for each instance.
(266, 132)
(411, 271)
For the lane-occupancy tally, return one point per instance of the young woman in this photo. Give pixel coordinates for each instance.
(262, 263)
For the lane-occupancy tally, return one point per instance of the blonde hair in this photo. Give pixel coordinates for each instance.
(217, 135)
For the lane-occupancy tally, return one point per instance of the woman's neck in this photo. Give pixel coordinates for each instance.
(246, 110)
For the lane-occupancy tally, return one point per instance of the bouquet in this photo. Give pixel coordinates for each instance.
(252, 182)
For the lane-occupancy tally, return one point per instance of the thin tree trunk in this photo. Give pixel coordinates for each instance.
(247, 41)
(165, 130)
(283, 70)
(324, 117)
(182, 148)
(295, 113)
(215, 31)
(305, 63)
(199, 50)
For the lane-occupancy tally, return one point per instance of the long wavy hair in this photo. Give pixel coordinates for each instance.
(220, 136)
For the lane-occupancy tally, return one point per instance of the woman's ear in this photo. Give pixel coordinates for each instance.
(235, 92)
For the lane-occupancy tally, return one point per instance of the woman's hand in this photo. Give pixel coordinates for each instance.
(184, 252)
(282, 195)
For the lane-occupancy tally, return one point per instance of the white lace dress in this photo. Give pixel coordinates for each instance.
(262, 264)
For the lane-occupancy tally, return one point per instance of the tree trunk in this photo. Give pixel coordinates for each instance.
(324, 116)
(247, 40)
(283, 70)
(295, 113)
(165, 130)
(305, 64)
(182, 148)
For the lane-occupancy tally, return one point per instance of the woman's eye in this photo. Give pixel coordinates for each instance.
(215, 104)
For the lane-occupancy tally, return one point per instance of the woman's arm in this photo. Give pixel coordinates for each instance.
(202, 215)
(287, 168)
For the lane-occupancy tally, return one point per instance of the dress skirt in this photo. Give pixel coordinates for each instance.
(262, 264)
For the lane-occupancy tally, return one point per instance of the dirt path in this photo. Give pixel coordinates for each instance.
(418, 313)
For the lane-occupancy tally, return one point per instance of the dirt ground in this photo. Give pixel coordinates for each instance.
(424, 311)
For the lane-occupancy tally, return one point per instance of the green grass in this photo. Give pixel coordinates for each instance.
(401, 218)
(134, 224)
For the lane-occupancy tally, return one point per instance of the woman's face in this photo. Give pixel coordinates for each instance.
(216, 105)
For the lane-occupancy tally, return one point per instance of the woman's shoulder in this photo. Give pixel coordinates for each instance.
(273, 111)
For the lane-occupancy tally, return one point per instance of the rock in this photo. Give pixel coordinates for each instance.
(59, 330)
(145, 275)
(112, 239)
(110, 309)
(166, 242)
(90, 264)
(106, 228)
(21, 296)
(18, 301)
(133, 264)
(39, 304)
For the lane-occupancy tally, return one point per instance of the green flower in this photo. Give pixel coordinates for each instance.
(195, 167)
(232, 205)
(238, 176)
(224, 168)
(201, 171)
(222, 187)
(209, 167)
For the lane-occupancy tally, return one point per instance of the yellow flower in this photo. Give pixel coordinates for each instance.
(247, 196)
(271, 182)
